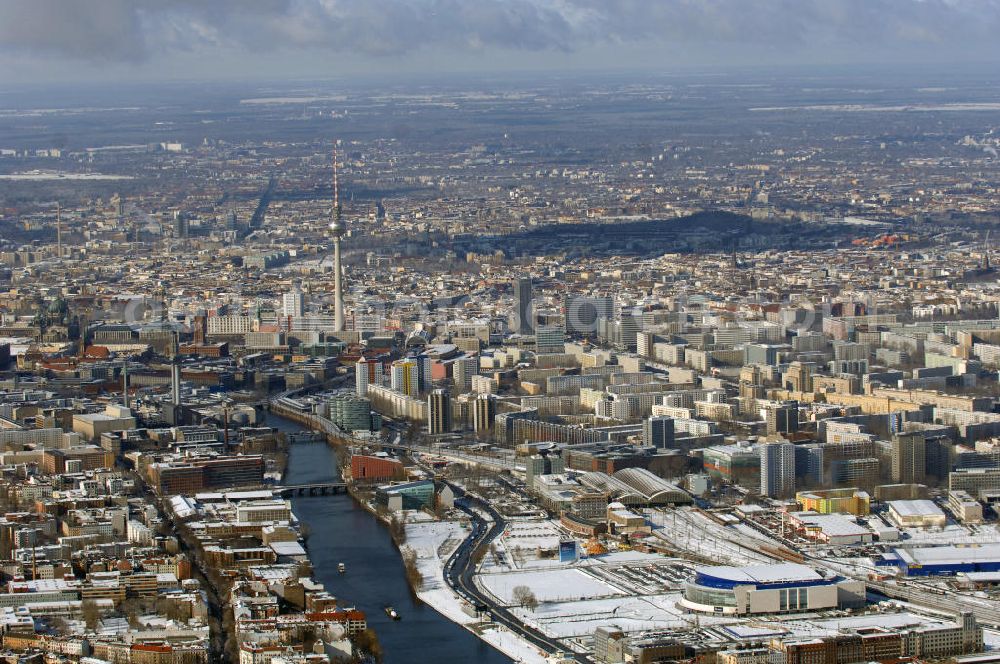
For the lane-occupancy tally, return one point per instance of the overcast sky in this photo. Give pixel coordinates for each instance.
(81, 40)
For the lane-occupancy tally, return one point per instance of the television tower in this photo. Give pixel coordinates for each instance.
(337, 228)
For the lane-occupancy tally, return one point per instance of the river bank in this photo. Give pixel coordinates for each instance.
(342, 531)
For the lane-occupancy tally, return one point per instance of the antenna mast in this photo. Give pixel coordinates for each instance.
(337, 228)
(59, 230)
(336, 187)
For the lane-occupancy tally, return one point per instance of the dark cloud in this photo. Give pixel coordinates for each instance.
(142, 30)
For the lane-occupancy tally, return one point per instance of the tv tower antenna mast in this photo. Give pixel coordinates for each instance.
(337, 228)
(59, 230)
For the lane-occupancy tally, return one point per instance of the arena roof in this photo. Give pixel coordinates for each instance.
(777, 574)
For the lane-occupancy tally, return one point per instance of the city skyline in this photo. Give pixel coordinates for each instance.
(660, 332)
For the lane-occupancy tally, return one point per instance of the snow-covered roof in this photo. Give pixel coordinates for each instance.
(762, 574)
(941, 555)
(915, 508)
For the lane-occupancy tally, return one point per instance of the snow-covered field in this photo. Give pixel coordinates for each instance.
(550, 585)
(580, 619)
(512, 645)
(434, 542)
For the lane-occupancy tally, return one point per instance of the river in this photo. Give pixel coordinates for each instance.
(343, 532)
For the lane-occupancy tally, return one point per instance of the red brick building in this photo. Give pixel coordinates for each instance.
(375, 468)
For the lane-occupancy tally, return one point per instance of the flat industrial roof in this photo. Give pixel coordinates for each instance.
(831, 524)
(943, 555)
(915, 508)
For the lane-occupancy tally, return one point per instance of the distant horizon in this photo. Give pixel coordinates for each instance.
(930, 73)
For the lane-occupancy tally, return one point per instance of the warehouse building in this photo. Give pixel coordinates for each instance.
(943, 560)
(834, 529)
(916, 514)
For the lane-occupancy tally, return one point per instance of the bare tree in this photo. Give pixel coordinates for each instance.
(413, 573)
(523, 596)
(91, 614)
(60, 626)
(130, 608)
(397, 529)
(366, 643)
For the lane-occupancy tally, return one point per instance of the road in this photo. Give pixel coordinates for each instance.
(216, 606)
(461, 568)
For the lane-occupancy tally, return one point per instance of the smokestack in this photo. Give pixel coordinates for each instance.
(125, 382)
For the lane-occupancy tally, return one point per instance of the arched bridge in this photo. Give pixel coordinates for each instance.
(314, 489)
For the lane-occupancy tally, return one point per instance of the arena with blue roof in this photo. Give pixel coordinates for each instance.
(778, 588)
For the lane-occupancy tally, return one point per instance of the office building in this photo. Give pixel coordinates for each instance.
(798, 378)
(739, 464)
(777, 470)
(378, 468)
(351, 412)
(523, 317)
(965, 508)
(783, 418)
(180, 225)
(582, 313)
(909, 462)
(76, 459)
(206, 473)
(658, 432)
(549, 340)
(438, 412)
(293, 304)
(484, 412)
(407, 496)
(463, 369)
(366, 372)
(404, 377)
